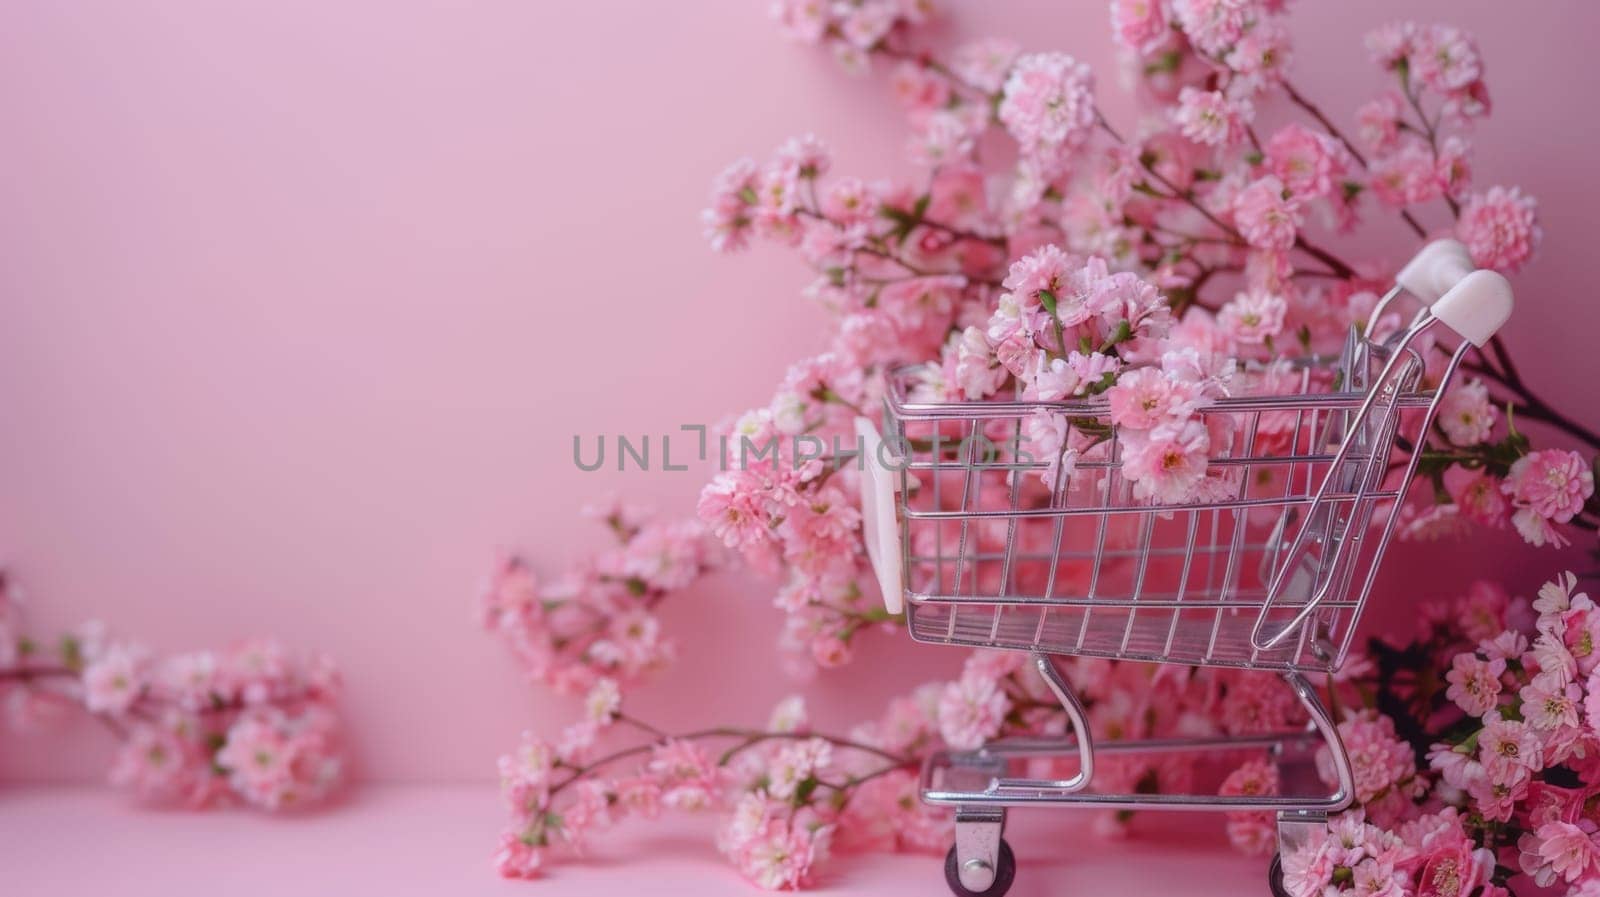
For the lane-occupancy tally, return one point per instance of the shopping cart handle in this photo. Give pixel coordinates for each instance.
(1439, 266)
(1476, 307)
(879, 528)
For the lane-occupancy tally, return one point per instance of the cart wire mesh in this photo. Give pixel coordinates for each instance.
(999, 550)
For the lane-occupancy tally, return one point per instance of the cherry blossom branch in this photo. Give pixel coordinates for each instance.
(1316, 112)
(247, 724)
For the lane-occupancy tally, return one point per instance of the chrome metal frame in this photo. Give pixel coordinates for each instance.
(1158, 583)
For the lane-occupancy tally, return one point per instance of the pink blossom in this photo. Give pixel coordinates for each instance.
(689, 779)
(531, 764)
(114, 682)
(1306, 162)
(603, 702)
(783, 854)
(665, 554)
(971, 710)
(1556, 597)
(866, 23)
(1378, 121)
(1550, 485)
(1444, 58)
(1549, 702)
(1048, 106)
(1252, 833)
(1391, 43)
(259, 759)
(849, 200)
(1509, 749)
(1377, 877)
(1580, 633)
(1447, 865)
(516, 857)
(886, 813)
(1210, 117)
(1253, 317)
(984, 63)
(1565, 850)
(1261, 54)
(1500, 227)
(1266, 218)
(1466, 414)
(735, 509)
(1591, 703)
(1046, 439)
(795, 763)
(1139, 25)
(1211, 25)
(1536, 530)
(1407, 175)
(729, 217)
(1474, 682)
(1166, 464)
(1309, 869)
(830, 650)
(789, 715)
(157, 763)
(803, 20)
(1144, 398)
(978, 372)
(1456, 766)
(1382, 763)
(1482, 614)
(947, 137)
(805, 157)
(1454, 166)
(1046, 269)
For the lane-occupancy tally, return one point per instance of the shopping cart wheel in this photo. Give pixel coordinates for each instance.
(1275, 876)
(1005, 871)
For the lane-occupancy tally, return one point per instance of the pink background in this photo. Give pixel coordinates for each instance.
(303, 303)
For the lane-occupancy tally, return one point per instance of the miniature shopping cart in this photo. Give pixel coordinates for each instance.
(1270, 573)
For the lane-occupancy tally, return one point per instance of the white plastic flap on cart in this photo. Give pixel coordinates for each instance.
(878, 525)
(1439, 266)
(1477, 307)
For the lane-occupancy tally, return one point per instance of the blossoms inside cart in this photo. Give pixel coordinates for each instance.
(1172, 513)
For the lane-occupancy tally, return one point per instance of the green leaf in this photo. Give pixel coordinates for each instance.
(71, 652)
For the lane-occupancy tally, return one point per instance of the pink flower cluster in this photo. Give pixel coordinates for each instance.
(1545, 488)
(596, 621)
(787, 796)
(249, 724)
(1194, 252)
(1431, 855)
(1195, 258)
(1047, 105)
(1513, 776)
(852, 31)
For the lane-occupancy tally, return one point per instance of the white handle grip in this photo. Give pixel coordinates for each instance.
(1433, 271)
(1477, 307)
(878, 525)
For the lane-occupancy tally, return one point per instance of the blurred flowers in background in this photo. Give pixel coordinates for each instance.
(247, 724)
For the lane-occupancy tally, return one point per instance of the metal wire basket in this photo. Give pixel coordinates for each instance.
(1268, 569)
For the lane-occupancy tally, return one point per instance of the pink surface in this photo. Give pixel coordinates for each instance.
(402, 840)
(304, 303)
